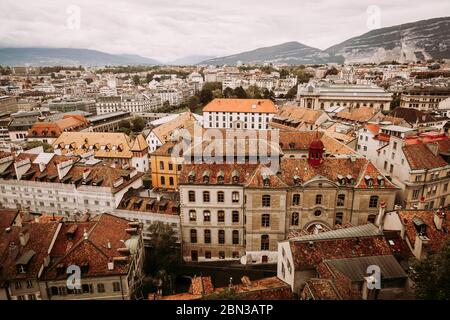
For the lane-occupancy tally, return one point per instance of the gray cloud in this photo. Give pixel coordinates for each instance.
(169, 30)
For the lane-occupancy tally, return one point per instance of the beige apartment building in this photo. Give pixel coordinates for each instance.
(310, 195)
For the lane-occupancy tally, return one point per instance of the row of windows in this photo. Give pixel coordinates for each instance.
(220, 196)
(85, 288)
(220, 216)
(170, 166)
(265, 199)
(220, 236)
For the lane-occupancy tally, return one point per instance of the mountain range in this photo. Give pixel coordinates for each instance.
(420, 40)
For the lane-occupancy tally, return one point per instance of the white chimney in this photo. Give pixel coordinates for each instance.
(24, 236)
(420, 245)
(86, 173)
(380, 218)
(439, 218)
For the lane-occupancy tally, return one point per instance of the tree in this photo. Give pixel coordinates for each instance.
(136, 80)
(228, 93)
(254, 92)
(163, 258)
(34, 144)
(268, 94)
(217, 93)
(432, 277)
(332, 71)
(240, 93)
(292, 93)
(206, 95)
(148, 77)
(138, 124)
(125, 126)
(192, 103)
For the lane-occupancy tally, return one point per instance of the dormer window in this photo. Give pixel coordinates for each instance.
(296, 180)
(292, 145)
(206, 176)
(21, 268)
(342, 181)
(266, 181)
(235, 177)
(380, 181)
(350, 179)
(191, 177)
(220, 177)
(369, 181)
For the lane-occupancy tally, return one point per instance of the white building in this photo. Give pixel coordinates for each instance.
(59, 184)
(239, 113)
(325, 95)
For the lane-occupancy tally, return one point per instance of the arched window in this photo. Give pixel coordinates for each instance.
(265, 220)
(264, 242)
(163, 181)
(319, 199)
(296, 199)
(373, 203)
(294, 219)
(193, 236)
(266, 200)
(340, 200)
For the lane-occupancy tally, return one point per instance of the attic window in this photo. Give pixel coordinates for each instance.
(350, 179)
(220, 177)
(206, 176)
(296, 180)
(420, 226)
(292, 145)
(191, 177)
(266, 180)
(369, 181)
(380, 181)
(235, 176)
(341, 180)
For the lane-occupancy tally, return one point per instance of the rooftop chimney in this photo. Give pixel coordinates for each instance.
(380, 218)
(86, 173)
(24, 236)
(439, 218)
(420, 246)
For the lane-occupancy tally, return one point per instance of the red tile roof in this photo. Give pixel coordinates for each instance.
(419, 156)
(437, 237)
(105, 235)
(241, 105)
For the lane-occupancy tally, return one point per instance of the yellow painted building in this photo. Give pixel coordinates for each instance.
(164, 168)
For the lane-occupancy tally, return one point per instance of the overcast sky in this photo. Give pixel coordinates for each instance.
(166, 30)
